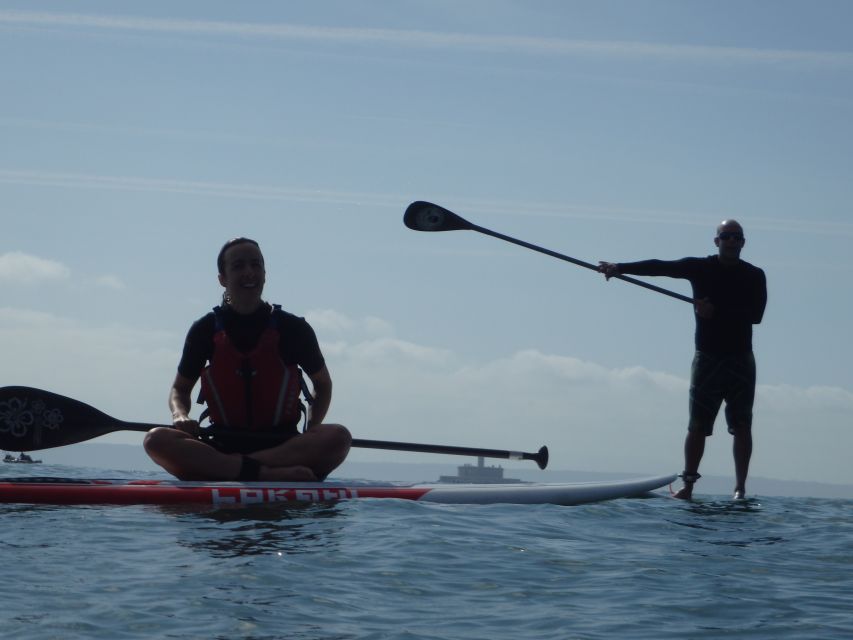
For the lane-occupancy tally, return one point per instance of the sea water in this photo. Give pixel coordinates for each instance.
(632, 568)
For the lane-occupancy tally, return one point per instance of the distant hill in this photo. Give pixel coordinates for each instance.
(130, 458)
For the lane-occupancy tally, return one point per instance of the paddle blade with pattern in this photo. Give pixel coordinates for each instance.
(33, 419)
(426, 216)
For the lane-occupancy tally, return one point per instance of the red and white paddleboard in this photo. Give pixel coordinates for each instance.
(48, 490)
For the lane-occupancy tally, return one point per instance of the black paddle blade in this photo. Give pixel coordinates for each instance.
(541, 458)
(33, 419)
(426, 216)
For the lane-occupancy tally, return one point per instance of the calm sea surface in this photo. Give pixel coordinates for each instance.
(642, 568)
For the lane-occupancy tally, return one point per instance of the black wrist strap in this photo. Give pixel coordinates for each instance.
(249, 470)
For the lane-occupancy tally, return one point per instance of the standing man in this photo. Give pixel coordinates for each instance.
(730, 295)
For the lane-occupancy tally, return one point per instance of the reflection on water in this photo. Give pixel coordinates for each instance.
(708, 514)
(727, 523)
(254, 530)
(723, 507)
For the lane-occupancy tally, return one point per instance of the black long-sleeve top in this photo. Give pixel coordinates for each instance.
(737, 291)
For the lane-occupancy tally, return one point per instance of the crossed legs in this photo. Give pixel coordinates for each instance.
(305, 457)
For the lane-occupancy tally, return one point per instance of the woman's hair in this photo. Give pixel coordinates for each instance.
(220, 259)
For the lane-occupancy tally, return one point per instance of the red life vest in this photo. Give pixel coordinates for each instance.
(254, 390)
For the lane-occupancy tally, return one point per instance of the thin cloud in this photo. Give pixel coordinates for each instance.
(429, 39)
(466, 206)
(80, 359)
(333, 322)
(211, 189)
(18, 268)
(100, 128)
(645, 215)
(110, 282)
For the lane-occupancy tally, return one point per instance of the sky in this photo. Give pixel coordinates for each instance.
(136, 138)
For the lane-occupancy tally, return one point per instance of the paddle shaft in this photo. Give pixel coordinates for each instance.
(580, 263)
(540, 457)
(426, 216)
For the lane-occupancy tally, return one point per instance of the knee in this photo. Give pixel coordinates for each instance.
(337, 439)
(740, 427)
(742, 434)
(341, 437)
(697, 428)
(158, 439)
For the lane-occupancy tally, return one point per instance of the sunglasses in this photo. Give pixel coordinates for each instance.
(730, 235)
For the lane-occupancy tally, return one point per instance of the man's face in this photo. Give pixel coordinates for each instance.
(729, 240)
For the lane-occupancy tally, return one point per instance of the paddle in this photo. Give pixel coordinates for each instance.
(426, 216)
(33, 419)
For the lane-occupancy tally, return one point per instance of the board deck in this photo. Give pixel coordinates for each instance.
(50, 490)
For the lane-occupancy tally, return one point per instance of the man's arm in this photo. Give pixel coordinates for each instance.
(760, 297)
(683, 268)
(322, 383)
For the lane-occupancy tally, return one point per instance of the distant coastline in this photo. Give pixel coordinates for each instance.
(127, 458)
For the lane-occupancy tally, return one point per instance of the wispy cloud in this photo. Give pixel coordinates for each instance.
(18, 268)
(192, 187)
(110, 282)
(468, 205)
(427, 39)
(163, 132)
(647, 215)
(335, 323)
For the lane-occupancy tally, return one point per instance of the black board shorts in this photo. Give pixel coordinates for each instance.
(248, 443)
(714, 379)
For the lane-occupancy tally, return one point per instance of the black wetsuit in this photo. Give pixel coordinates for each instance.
(723, 367)
(738, 293)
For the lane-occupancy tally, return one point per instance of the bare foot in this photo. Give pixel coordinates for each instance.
(740, 494)
(288, 474)
(685, 493)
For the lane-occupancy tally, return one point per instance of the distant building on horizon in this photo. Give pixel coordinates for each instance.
(480, 474)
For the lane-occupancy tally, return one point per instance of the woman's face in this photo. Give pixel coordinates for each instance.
(244, 276)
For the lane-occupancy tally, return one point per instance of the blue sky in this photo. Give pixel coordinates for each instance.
(138, 137)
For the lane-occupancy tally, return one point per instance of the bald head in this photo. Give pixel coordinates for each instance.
(729, 241)
(729, 225)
